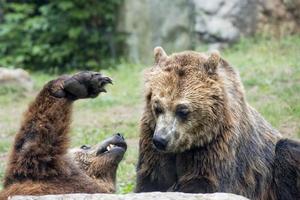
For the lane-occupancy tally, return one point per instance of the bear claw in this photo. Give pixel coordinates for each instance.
(84, 85)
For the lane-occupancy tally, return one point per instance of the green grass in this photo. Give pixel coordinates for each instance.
(269, 69)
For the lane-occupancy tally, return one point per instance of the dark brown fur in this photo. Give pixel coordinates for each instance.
(286, 172)
(38, 163)
(223, 145)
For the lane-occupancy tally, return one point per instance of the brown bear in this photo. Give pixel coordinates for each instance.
(40, 163)
(198, 134)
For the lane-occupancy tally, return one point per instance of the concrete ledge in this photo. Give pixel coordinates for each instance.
(133, 196)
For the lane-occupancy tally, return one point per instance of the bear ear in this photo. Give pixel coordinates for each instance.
(159, 54)
(212, 62)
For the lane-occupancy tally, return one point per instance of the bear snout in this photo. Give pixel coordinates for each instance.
(160, 143)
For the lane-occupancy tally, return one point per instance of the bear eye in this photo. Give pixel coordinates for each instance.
(84, 147)
(158, 109)
(182, 111)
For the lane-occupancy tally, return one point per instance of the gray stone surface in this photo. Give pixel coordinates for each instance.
(224, 20)
(179, 25)
(149, 23)
(140, 196)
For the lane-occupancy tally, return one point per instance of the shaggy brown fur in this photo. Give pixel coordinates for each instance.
(286, 172)
(198, 134)
(39, 164)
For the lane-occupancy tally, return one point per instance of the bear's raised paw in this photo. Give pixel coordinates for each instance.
(82, 85)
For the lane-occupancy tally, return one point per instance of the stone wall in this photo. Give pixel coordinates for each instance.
(224, 21)
(149, 23)
(278, 17)
(178, 25)
(140, 196)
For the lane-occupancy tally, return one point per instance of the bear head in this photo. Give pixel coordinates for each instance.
(102, 160)
(185, 96)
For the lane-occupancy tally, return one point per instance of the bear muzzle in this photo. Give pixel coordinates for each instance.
(160, 143)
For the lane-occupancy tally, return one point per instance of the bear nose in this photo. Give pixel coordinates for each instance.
(159, 142)
(120, 136)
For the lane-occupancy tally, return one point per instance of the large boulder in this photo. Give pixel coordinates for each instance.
(149, 23)
(140, 196)
(278, 17)
(223, 21)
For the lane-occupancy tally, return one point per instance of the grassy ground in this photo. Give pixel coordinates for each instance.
(270, 71)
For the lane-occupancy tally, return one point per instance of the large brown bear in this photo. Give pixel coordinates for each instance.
(198, 133)
(40, 163)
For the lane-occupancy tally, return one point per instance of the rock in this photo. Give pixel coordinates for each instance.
(224, 21)
(217, 46)
(150, 23)
(180, 25)
(175, 24)
(293, 7)
(15, 78)
(140, 196)
(212, 30)
(277, 17)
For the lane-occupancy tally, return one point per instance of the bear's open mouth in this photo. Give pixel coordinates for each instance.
(112, 146)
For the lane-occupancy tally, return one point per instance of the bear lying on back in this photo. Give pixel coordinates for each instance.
(198, 133)
(40, 163)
